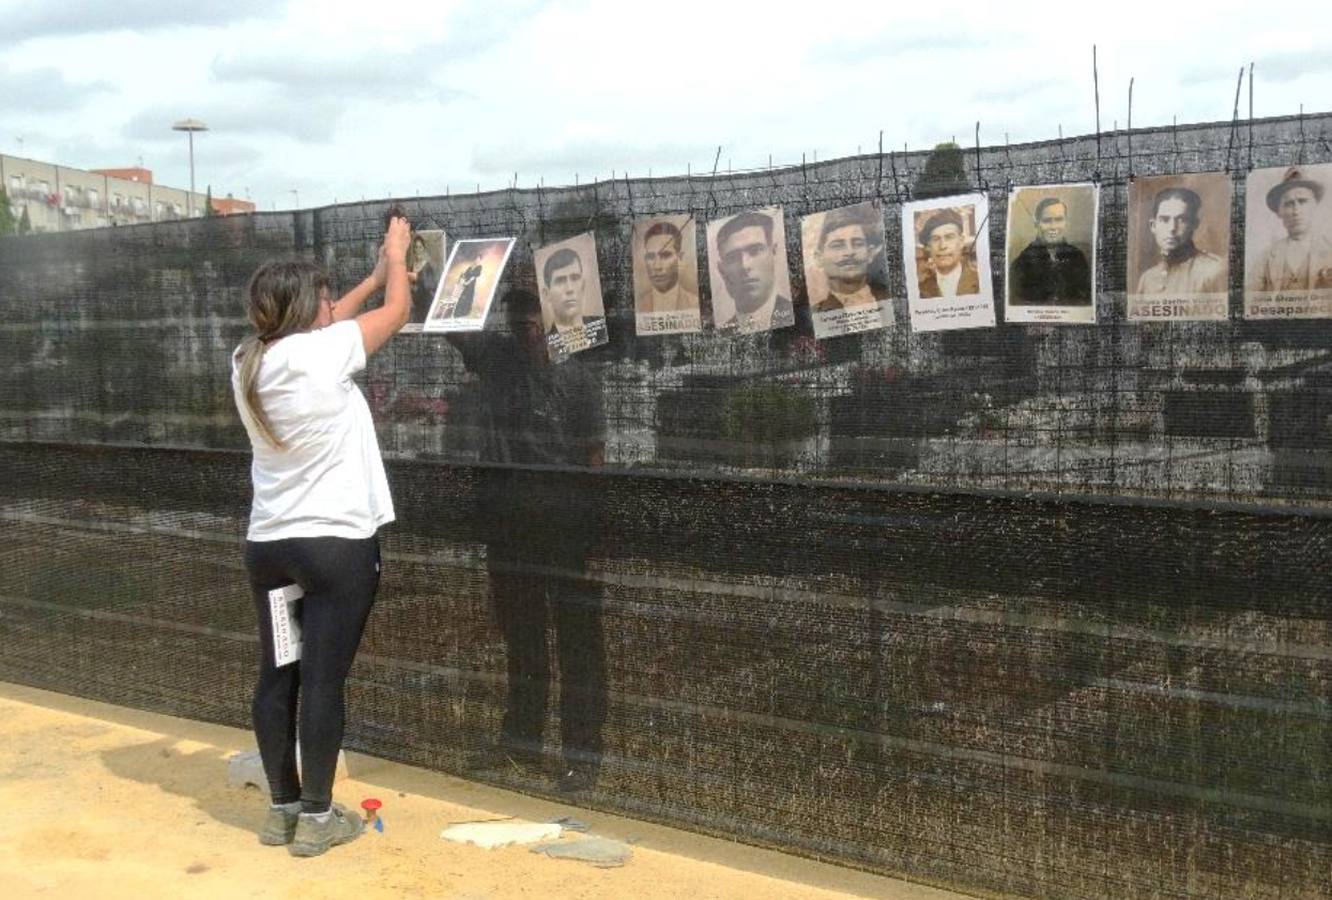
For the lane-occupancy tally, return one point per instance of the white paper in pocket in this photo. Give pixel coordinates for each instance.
(282, 609)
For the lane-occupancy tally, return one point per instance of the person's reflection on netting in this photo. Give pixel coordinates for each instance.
(539, 527)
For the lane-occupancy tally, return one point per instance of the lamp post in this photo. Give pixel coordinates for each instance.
(190, 126)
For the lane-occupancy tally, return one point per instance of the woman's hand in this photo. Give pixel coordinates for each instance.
(396, 241)
(379, 277)
(382, 322)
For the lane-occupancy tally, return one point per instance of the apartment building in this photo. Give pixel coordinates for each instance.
(61, 198)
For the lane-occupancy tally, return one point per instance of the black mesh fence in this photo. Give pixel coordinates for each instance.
(1040, 610)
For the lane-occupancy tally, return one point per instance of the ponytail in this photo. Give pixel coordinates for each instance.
(283, 299)
(248, 358)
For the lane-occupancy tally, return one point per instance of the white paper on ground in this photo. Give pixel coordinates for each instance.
(489, 835)
(286, 625)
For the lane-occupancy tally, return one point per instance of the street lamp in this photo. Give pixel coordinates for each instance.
(190, 126)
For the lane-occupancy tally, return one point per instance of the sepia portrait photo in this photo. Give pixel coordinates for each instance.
(846, 270)
(751, 284)
(1179, 248)
(1288, 243)
(1050, 253)
(946, 253)
(572, 310)
(471, 276)
(425, 265)
(665, 275)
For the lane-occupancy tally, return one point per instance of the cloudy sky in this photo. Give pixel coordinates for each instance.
(312, 101)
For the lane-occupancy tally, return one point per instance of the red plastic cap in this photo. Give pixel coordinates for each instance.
(370, 804)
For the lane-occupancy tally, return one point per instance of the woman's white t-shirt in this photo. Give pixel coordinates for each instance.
(328, 480)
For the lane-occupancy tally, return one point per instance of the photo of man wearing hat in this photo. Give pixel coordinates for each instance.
(1302, 260)
(946, 255)
(950, 273)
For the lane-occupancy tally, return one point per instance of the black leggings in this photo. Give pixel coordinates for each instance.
(339, 577)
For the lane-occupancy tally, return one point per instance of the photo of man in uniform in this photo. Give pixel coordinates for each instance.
(663, 253)
(1182, 268)
(751, 261)
(1050, 271)
(1302, 260)
(949, 273)
(849, 240)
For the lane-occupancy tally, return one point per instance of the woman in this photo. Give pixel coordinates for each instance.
(320, 496)
(467, 285)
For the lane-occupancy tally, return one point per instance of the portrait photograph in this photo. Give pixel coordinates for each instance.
(1288, 243)
(946, 254)
(471, 277)
(1050, 254)
(846, 270)
(751, 284)
(569, 284)
(1179, 248)
(425, 262)
(665, 264)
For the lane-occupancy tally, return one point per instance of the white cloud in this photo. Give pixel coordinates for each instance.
(352, 98)
(24, 20)
(46, 89)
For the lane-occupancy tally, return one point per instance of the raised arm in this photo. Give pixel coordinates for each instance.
(349, 304)
(382, 322)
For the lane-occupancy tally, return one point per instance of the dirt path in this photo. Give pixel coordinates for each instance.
(103, 801)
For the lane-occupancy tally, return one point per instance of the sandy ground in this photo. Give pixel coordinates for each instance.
(104, 801)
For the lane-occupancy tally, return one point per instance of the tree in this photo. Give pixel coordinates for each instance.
(945, 173)
(8, 224)
(208, 203)
(25, 223)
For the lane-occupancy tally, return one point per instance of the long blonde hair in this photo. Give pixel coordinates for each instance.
(282, 299)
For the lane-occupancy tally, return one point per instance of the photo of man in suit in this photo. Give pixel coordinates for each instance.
(563, 278)
(1288, 243)
(850, 240)
(570, 290)
(752, 264)
(1302, 260)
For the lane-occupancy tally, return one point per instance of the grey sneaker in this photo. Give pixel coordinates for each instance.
(314, 837)
(279, 827)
